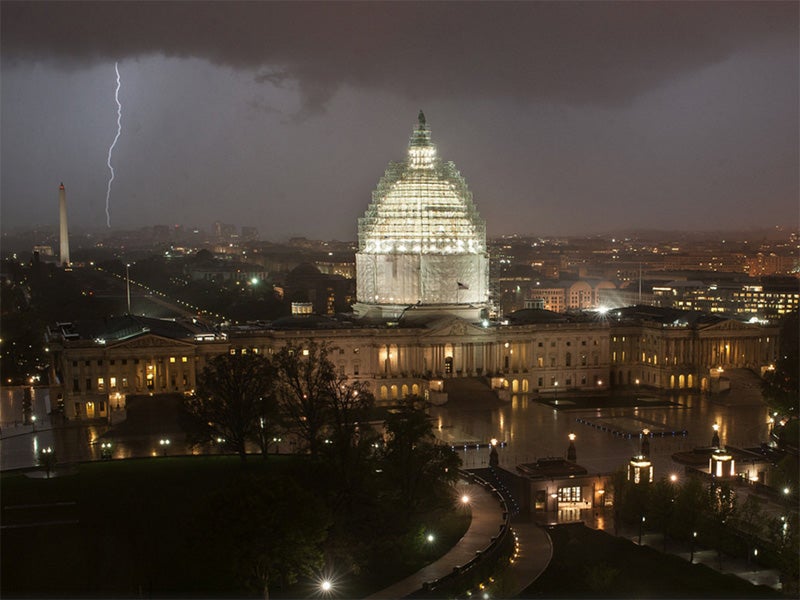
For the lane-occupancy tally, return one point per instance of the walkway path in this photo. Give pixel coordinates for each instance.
(535, 550)
(487, 518)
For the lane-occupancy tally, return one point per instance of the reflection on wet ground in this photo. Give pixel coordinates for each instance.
(531, 430)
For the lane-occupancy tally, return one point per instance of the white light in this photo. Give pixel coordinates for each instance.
(465, 499)
(326, 586)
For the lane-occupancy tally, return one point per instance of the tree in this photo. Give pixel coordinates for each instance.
(661, 507)
(233, 395)
(268, 535)
(781, 384)
(422, 469)
(352, 438)
(721, 506)
(304, 378)
(783, 532)
(689, 503)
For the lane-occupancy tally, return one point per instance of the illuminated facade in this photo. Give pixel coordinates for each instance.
(421, 243)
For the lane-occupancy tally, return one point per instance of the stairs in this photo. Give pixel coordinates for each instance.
(470, 391)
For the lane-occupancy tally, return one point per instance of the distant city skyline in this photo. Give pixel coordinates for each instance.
(564, 118)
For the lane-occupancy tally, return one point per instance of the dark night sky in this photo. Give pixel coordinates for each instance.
(564, 118)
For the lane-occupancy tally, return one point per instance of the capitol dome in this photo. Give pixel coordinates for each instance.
(422, 243)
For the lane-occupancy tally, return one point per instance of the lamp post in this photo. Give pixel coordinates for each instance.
(164, 442)
(572, 454)
(715, 437)
(494, 458)
(555, 394)
(128, 284)
(641, 523)
(47, 459)
(105, 450)
(691, 556)
(645, 446)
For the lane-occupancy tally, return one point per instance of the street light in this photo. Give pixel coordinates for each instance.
(694, 537)
(164, 442)
(715, 438)
(572, 453)
(641, 523)
(47, 459)
(105, 450)
(33, 422)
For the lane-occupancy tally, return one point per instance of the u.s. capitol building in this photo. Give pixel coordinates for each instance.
(420, 320)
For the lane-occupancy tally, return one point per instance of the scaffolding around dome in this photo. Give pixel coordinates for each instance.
(422, 242)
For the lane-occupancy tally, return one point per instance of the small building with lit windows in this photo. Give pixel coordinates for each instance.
(561, 489)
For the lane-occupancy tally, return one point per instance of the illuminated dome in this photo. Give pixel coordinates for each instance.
(422, 243)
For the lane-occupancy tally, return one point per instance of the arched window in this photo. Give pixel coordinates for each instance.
(415, 389)
(404, 390)
(394, 392)
(384, 393)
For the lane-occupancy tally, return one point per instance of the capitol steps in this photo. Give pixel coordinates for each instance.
(470, 392)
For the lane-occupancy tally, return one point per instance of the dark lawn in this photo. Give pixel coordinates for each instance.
(593, 564)
(141, 531)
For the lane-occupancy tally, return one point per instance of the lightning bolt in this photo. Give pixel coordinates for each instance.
(114, 143)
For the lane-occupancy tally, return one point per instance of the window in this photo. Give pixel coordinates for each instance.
(355, 368)
(100, 363)
(75, 385)
(88, 384)
(124, 383)
(570, 494)
(86, 363)
(540, 361)
(569, 358)
(540, 344)
(540, 381)
(583, 360)
(172, 359)
(569, 343)
(112, 361)
(232, 351)
(113, 382)
(552, 361)
(583, 342)
(74, 363)
(184, 359)
(101, 384)
(355, 350)
(124, 361)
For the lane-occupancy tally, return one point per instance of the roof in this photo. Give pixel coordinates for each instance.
(546, 468)
(114, 329)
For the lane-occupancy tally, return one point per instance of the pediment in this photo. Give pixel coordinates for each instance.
(450, 327)
(149, 340)
(731, 325)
